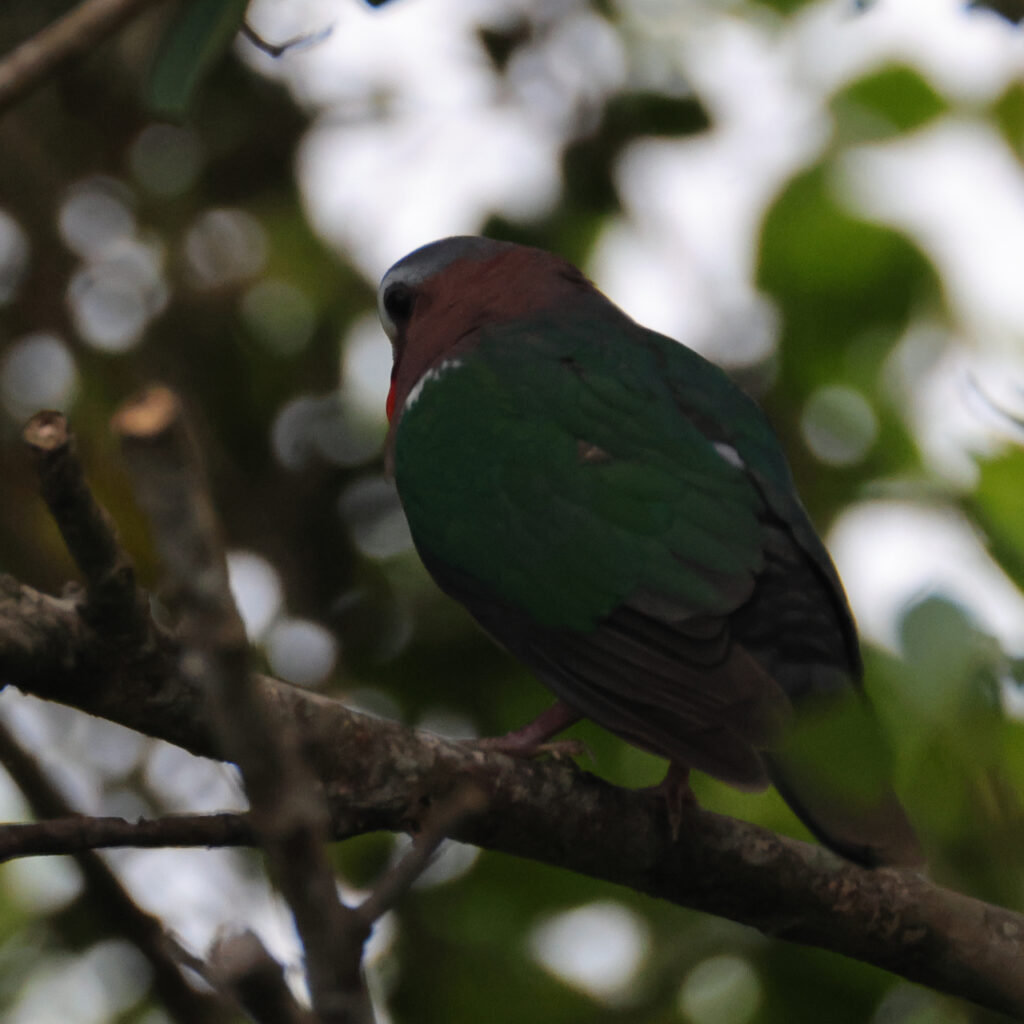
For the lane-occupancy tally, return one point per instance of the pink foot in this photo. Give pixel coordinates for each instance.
(679, 797)
(533, 739)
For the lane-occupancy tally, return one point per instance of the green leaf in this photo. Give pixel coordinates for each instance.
(996, 506)
(785, 6)
(835, 277)
(195, 40)
(589, 162)
(846, 290)
(952, 663)
(1009, 116)
(789, 6)
(890, 102)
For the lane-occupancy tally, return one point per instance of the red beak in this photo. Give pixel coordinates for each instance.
(390, 406)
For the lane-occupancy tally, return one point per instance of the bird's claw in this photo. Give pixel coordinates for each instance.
(513, 746)
(679, 798)
(565, 749)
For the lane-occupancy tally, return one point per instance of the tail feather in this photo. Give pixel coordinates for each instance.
(877, 834)
(833, 769)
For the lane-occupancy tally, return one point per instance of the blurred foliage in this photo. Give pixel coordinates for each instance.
(995, 505)
(183, 252)
(194, 42)
(1009, 116)
(1012, 10)
(588, 164)
(847, 290)
(894, 100)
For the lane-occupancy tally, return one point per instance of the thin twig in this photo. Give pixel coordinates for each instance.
(288, 807)
(77, 32)
(240, 969)
(83, 832)
(182, 1002)
(303, 42)
(113, 598)
(466, 800)
(241, 965)
(60, 836)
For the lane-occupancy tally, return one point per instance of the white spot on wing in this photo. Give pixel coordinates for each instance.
(730, 454)
(432, 374)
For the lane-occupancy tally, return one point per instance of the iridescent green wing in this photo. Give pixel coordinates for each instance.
(554, 465)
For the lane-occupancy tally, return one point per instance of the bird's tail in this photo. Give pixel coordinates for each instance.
(834, 772)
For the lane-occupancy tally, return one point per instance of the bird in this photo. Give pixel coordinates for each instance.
(619, 515)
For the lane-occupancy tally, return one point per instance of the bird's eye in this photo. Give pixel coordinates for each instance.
(398, 302)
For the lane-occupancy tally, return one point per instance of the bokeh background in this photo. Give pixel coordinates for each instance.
(825, 197)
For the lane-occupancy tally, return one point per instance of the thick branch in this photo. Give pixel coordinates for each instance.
(386, 776)
(77, 32)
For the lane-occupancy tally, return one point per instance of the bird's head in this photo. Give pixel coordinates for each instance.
(433, 301)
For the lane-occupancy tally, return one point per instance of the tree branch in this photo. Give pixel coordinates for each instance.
(79, 832)
(86, 528)
(386, 776)
(241, 965)
(288, 807)
(183, 1003)
(381, 775)
(77, 32)
(466, 800)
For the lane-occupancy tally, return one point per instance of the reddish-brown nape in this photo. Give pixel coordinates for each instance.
(469, 293)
